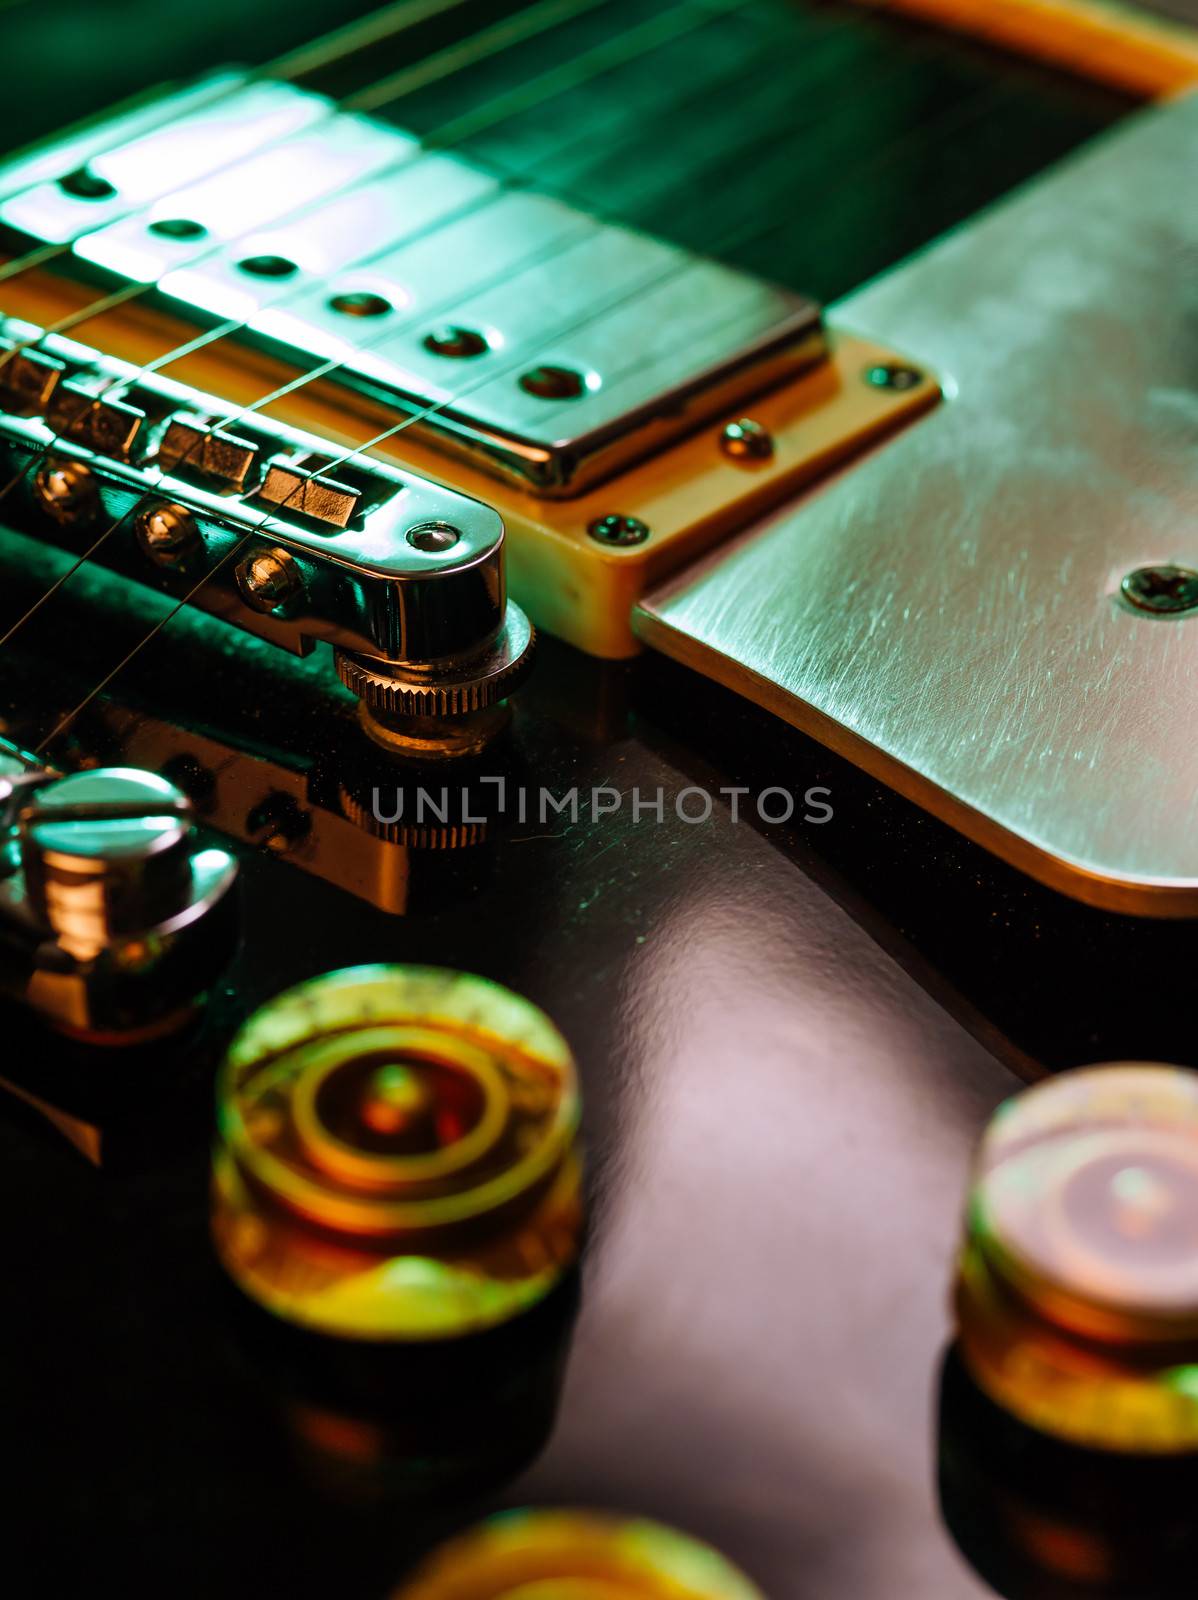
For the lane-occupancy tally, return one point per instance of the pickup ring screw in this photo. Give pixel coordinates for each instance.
(66, 491)
(268, 579)
(747, 440)
(458, 343)
(1164, 591)
(893, 375)
(167, 533)
(617, 529)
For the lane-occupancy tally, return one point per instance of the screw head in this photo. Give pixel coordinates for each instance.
(893, 375)
(268, 579)
(167, 533)
(434, 538)
(617, 529)
(747, 440)
(178, 228)
(66, 490)
(277, 823)
(361, 303)
(458, 343)
(1165, 591)
(554, 383)
(84, 184)
(268, 266)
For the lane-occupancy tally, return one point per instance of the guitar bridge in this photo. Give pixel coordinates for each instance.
(259, 524)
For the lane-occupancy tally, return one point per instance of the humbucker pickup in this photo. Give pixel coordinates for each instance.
(547, 346)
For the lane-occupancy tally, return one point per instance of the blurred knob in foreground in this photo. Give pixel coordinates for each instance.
(575, 1555)
(397, 1155)
(1077, 1289)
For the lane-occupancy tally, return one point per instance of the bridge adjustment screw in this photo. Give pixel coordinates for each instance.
(67, 491)
(268, 579)
(167, 533)
(617, 529)
(747, 440)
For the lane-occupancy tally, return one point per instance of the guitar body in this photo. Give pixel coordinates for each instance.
(790, 1033)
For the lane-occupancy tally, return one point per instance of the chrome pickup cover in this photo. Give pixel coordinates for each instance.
(546, 345)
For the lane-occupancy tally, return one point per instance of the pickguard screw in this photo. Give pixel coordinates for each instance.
(66, 491)
(618, 530)
(167, 533)
(746, 440)
(268, 579)
(893, 375)
(1164, 591)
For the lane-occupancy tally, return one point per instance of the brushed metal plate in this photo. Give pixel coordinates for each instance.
(947, 613)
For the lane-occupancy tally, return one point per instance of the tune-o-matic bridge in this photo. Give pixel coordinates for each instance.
(260, 524)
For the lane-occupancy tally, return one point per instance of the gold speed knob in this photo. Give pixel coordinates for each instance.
(575, 1555)
(397, 1155)
(1077, 1290)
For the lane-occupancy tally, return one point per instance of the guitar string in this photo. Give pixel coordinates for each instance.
(526, 24)
(952, 115)
(322, 370)
(334, 46)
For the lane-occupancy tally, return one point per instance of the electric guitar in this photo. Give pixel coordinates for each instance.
(597, 607)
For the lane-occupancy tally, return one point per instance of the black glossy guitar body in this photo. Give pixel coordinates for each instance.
(790, 1036)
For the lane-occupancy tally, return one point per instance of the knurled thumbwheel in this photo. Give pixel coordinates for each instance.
(452, 689)
(1077, 1290)
(575, 1555)
(397, 1155)
(449, 707)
